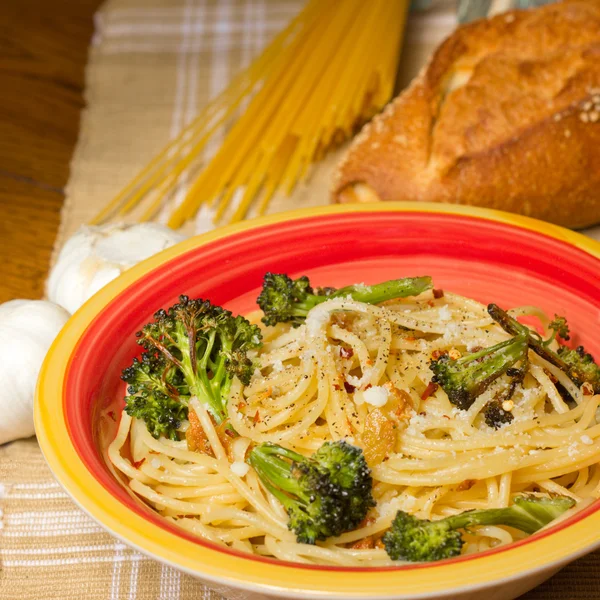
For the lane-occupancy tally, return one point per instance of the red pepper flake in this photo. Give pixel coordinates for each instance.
(241, 405)
(436, 354)
(367, 543)
(348, 387)
(336, 387)
(257, 417)
(346, 352)
(368, 386)
(467, 484)
(430, 389)
(587, 389)
(138, 463)
(431, 303)
(437, 294)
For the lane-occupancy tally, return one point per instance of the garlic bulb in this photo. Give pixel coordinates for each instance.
(27, 329)
(96, 255)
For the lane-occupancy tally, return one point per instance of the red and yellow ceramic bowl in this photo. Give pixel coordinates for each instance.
(483, 254)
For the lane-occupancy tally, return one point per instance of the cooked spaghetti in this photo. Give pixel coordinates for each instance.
(362, 373)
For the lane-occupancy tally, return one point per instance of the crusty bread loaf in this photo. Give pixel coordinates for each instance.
(506, 115)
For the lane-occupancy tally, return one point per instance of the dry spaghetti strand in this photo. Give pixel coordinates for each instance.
(331, 69)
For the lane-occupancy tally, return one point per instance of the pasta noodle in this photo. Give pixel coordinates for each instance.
(319, 382)
(330, 70)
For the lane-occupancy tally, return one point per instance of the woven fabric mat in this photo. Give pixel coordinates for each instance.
(152, 64)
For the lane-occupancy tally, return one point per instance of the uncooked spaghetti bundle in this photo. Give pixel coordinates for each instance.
(331, 69)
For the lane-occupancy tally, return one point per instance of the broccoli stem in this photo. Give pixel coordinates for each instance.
(496, 360)
(275, 473)
(284, 300)
(534, 341)
(270, 449)
(421, 540)
(464, 379)
(387, 290)
(324, 495)
(208, 390)
(203, 390)
(369, 294)
(526, 514)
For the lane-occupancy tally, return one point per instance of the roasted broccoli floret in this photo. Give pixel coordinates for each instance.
(495, 416)
(420, 540)
(163, 415)
(494, 413)
(465, 378)
(324, 495)
(287, 300)
(559, 328)
(579, 366)
(153, 395)
(191, 349)
(582, 366)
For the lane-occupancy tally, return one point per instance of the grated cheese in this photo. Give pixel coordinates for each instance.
(376, 396)
(445, 313)
(239, 468)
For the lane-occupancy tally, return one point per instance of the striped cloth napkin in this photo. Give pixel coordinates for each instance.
(152, 64)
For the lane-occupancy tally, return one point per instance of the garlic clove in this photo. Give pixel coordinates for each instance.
(28, 328)
(96, 255)
(128, 247)
(9, 308)
(100, 278)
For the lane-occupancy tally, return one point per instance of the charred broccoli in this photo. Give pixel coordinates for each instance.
(579, 366)
(286, 300)
(324, 495)
(495, 416)
(465, 378)
(162, 415)
(559, 328)
(582, 366)
(494, 413)
(421, 540)
(191, 349)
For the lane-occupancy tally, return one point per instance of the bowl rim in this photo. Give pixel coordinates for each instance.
(445, 578)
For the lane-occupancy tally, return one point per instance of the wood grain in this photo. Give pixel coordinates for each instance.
(43, 52)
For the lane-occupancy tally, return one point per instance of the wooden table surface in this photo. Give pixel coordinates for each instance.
(43, 52)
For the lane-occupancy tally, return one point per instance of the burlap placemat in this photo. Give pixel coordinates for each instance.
(152, 64)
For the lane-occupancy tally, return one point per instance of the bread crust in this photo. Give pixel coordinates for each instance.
(506, 115)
